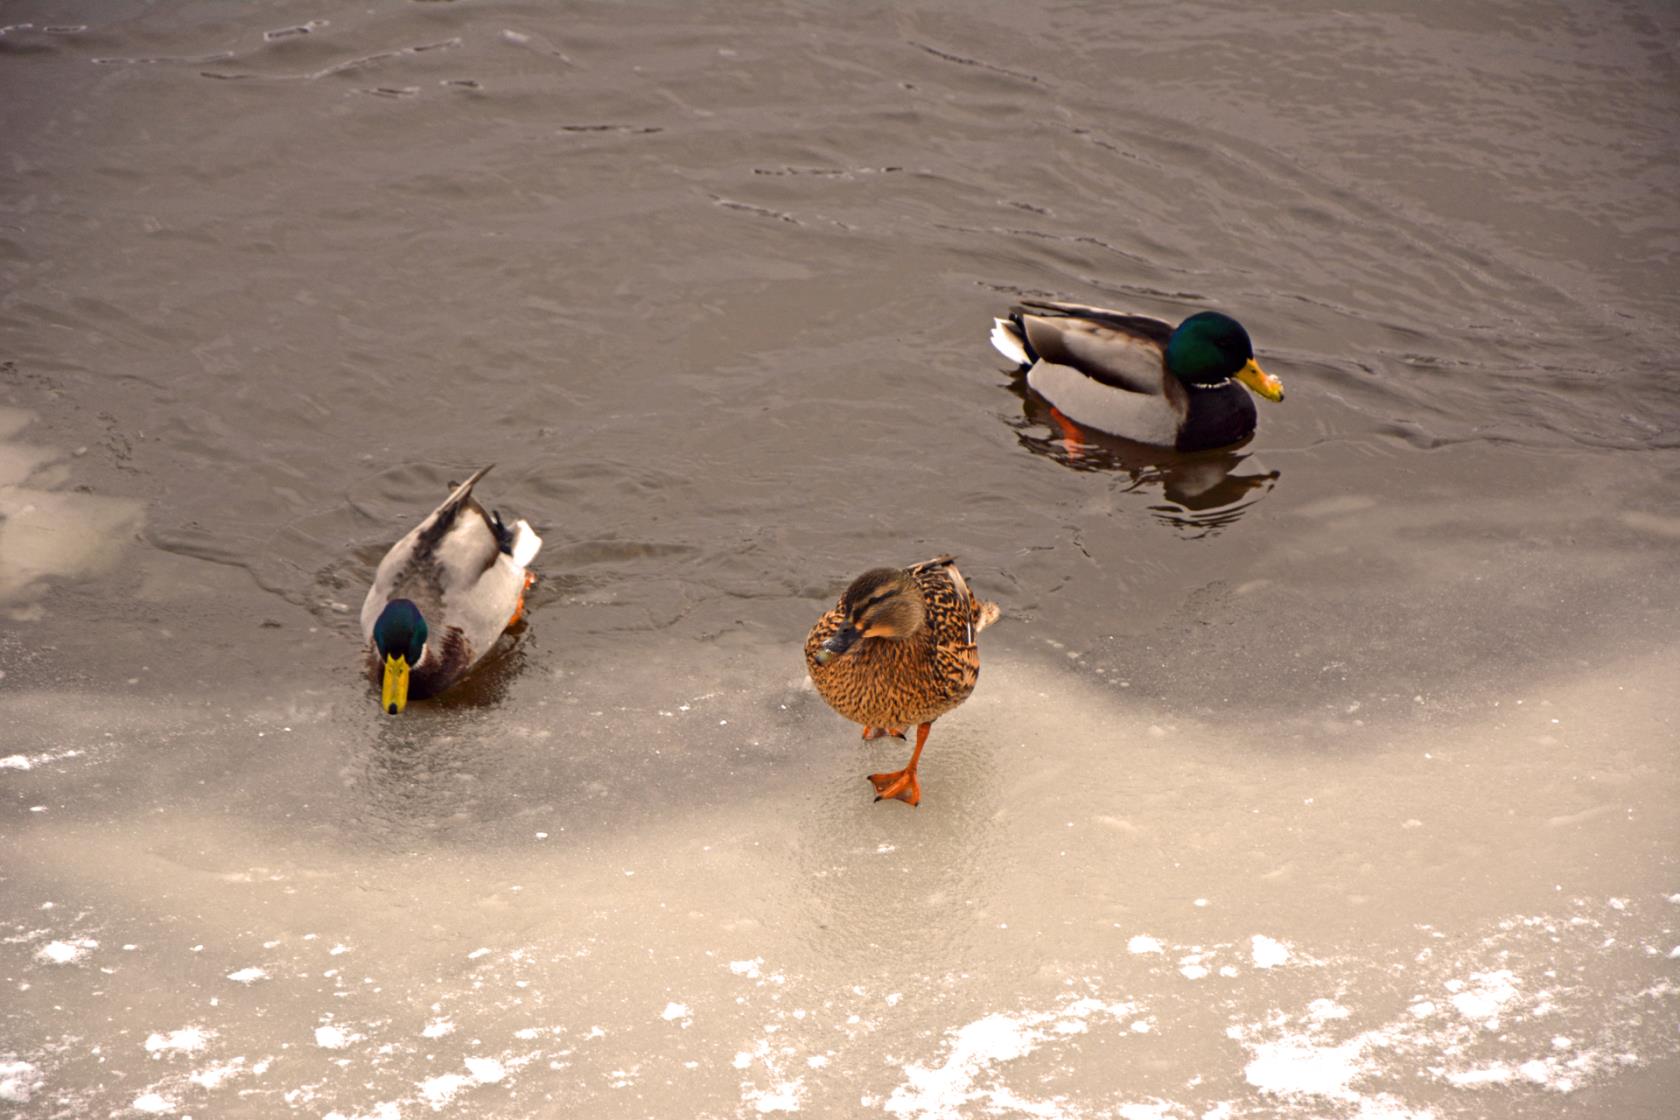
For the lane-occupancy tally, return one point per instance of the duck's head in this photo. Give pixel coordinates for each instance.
(1209, 347)
(400, 637)
(881, 603)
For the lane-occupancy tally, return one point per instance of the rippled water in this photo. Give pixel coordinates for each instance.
(1329, 776)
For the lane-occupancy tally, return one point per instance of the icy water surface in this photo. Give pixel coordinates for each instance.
(1331, 776)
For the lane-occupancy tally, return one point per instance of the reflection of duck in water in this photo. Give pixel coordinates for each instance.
(443, 595)
(1204, 490)
(1139, 378)
(899, 649)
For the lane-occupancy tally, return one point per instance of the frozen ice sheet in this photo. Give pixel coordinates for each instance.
(1082, 919)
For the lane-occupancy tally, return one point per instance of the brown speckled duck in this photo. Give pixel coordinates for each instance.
(899, 649)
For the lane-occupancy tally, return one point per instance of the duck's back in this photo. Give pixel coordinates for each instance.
(953, 620)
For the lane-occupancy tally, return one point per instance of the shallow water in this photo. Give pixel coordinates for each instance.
(1333, 776)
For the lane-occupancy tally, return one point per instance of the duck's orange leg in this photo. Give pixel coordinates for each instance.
(883, 732)
(902, 784)
(1072, 437)
(519, 607)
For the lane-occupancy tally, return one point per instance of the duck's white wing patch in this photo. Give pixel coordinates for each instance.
(526, 544)
(1007, 342)
(1144, 417)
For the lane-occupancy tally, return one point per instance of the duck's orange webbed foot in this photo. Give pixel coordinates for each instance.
(901, 785)
(883, 732)
(519, 607)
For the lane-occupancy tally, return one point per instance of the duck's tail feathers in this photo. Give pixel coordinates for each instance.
(442, 519)
(526, 544)
(1009, 341)
(463, 491)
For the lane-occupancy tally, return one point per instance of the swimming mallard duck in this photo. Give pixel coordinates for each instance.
(1137, 377)
(443, 595)
(898, 648)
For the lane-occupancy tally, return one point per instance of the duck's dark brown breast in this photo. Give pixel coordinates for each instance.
(1217, 418)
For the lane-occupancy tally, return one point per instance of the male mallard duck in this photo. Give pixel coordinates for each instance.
(898, 648)
(443, 595)
(1137, 377)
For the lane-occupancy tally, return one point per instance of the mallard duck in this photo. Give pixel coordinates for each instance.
(899, 649)
(1137, 377)
(443, 595)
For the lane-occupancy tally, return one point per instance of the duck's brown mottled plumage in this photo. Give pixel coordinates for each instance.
(914, 678)
(891, 682)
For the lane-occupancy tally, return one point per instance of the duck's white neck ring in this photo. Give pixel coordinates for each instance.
(1220, 384)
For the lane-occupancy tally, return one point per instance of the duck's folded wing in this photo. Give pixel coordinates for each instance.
(1120, 351)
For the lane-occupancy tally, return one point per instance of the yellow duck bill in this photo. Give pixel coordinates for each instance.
(1260, 381)
(393, 696)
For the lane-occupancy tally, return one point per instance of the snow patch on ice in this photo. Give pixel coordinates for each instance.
(968, 1075)
(1481, 1001)
(214, 1076)
(674, 1011)
(248, 975)
(1143, 943)
(1324, 1010)
(187, 1040)
(154, 1103)
(65, 952)
(1298, 1065)
(440, 1090)
(752, 969)
(486, 1071)
(18, 1080)
(1496, 1073)
(783, 1093)
(30, 761)
(331, 1037)
(783, 1096)
(437, 1028)
(1268, 953)
(1472, 1029)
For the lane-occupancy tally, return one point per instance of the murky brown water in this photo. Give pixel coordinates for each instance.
(1331, 777)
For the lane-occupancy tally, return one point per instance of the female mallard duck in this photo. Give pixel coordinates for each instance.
(443, 595)
(1137, 377)
(898, 648)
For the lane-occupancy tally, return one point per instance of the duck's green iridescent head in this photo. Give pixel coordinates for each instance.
(1208, 347)
(400, 637)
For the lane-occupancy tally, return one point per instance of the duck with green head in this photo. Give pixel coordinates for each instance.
(443, 595)
(1137, 377)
